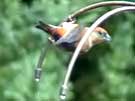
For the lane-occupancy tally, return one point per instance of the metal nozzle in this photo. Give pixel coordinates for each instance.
(37, 74)
(63, 92)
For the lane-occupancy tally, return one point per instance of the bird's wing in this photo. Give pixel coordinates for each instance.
(73, 36)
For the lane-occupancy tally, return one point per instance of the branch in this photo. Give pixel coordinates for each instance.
(84, 38)
(97, 5)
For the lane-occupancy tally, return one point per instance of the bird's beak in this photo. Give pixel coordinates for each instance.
(107, 38)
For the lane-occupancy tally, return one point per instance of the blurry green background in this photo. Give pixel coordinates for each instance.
(106, 73)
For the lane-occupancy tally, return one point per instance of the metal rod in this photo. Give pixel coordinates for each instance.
(38, 69)
(97, 5)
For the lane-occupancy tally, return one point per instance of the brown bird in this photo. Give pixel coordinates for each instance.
(68, 35)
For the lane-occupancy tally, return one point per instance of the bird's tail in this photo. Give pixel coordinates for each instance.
(45, 27)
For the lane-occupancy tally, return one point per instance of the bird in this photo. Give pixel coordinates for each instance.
(68, 34)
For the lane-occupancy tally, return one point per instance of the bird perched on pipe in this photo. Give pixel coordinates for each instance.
(68, 34)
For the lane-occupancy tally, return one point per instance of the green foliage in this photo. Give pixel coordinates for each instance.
(106, 73)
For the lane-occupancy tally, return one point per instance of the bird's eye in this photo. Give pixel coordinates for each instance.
(100, 33)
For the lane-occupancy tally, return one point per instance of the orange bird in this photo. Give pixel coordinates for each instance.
(68, 35)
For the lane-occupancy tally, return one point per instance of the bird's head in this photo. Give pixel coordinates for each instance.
(100, 35)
